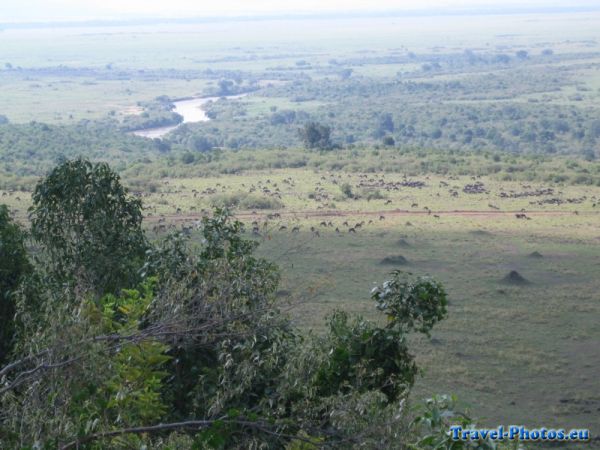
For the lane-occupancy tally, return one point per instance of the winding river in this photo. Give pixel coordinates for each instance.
(191, 111)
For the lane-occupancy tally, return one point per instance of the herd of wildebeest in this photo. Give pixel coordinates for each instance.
(320, 213)
(330, 188)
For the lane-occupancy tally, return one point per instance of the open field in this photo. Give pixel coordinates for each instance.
(500, 339)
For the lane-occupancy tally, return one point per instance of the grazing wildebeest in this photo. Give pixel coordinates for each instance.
(381, 218)
(345, 223)
(351, 230)
(436, 216)
(282, 227)
(296, 229)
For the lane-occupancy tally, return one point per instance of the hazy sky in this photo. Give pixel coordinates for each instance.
(48, 10)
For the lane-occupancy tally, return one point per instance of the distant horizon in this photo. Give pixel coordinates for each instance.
(131, 20)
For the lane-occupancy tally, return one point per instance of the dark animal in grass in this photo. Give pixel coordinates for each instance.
(535, 254)
(394, 260)
(515, 278)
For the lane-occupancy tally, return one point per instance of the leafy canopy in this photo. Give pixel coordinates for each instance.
(88, 225)
(14, 263)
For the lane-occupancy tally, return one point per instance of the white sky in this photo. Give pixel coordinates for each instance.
(48, 10)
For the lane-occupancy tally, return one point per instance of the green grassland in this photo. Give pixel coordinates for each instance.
(304, 48)
(512, 353)
(500, 340)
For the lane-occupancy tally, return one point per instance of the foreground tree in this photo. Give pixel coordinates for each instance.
(14, 264)
(88, 226)
(200, 355)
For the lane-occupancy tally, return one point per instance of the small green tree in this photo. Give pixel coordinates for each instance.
(14, 263)
(316, 136)
(346, 189)
(88, 226)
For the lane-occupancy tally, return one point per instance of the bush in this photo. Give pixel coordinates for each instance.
(246, 201)
(346, 189)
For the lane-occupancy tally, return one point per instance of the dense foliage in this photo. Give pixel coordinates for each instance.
(88, 226)
(14, 265)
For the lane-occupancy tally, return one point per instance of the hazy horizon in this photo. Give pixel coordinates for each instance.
(28, 11)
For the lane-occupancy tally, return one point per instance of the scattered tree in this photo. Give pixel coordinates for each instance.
(316, 136)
